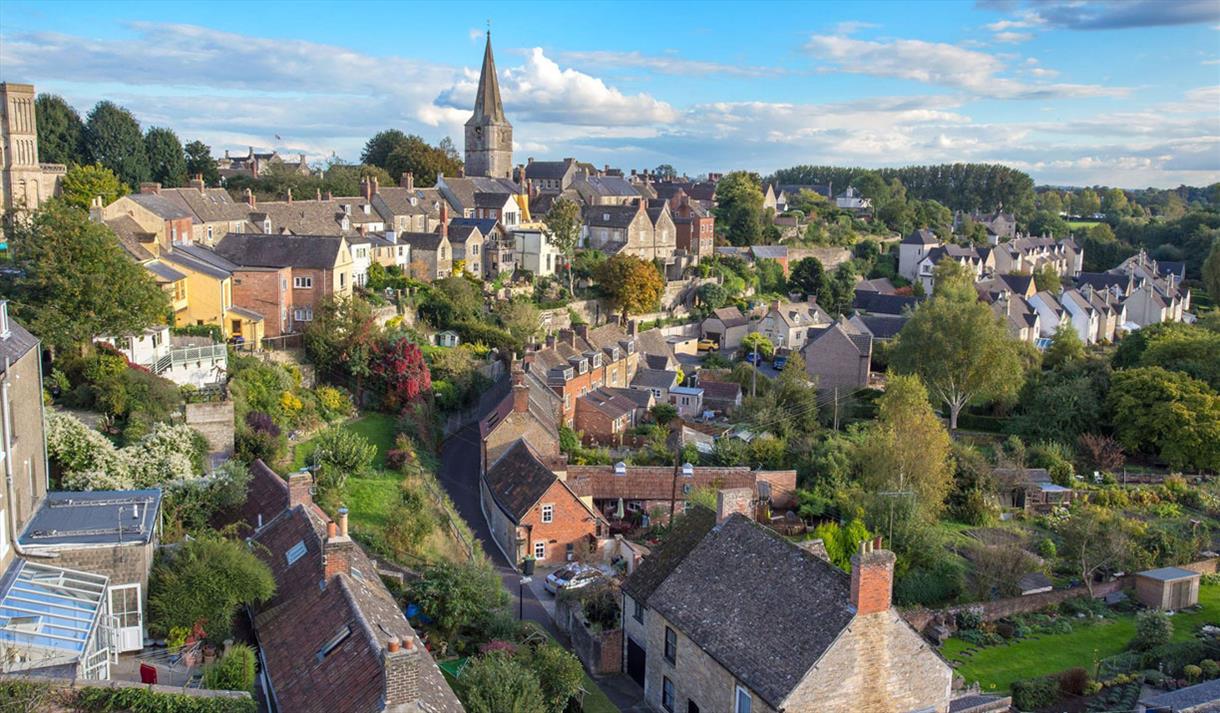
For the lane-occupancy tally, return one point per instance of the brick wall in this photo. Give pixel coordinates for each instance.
(600, 652)
(215, 421)
(597, 427)
(572, 524)
(1001, 608)
(269, 293)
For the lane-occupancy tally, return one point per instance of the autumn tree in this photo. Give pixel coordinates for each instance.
(166, 159)
(199, 162)
(957, 347)
(81, 184)
(563, 222)
(401, 372)
(113, 139)
(61, 133)
(631, 284)
(73, 282)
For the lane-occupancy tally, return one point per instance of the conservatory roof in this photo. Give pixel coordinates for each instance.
(49, 608)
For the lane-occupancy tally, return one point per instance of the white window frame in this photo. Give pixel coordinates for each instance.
(304, 282)
(295, 552)
(539, 550)
(302, 315)
(737, 694)
(548, 513)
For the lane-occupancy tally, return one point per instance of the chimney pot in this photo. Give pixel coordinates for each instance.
(250, 198)
(332, 530)
(342, 522)
(290, 194)
(329, 196)
(392, 645)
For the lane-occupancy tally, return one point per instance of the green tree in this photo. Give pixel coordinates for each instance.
(1114, 203)
(1050, 201)
(959, 349)
(739, 207)
(113, 139)
(456, 594)
(74, 282)
(712, 296)
(60, 131)
(563, 222)
(417, 157)
(1189, 349)
(1046, 278)
(906, 453)
(81, 184)
(1066, 347)
(1086, 202)
(559, 673)
(1168, 413)
(342, 452)
(499, 683)
(206, 580)
(757, 341)
(340, 340)
(633, 285)
(166, 159)
(378, 149)
(807, 275)
(199, 162)
(839, 290)
(1093, 539)
(1153, 628)
(1045, 222)
(663, 413)
(771, 277)
(1211, 272)
(520, 317)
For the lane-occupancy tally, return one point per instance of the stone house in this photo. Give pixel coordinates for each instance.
(787, 324)
(726, 326)
(321, 266)
(604, 415)
(615, 228)
(664, 232)
(529, 412)
(356, 651)
(24, 457)
(839, 357)
(550, 176)
(498, 250)
(532, 512)
(604, 190)
(168, 224)
(346, 216)
(407, 209)
(467, 242)
(213, 211)
(482, 197)
(658, 382)
(688, 400)
(255, 163)
(813, 639)
(722, 397)
(913, 249)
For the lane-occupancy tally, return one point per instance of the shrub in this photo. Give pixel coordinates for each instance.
(1172, 658)
(262, 422)
(559, 673)
(497, 682)
(205, 581)
(1047, 549)
(105, 700)
(1033, 693)
(1210, 668)
(602, 608)
(233, 672)
(1192, 673)
(88, 461)
(1073, 681)
(1152, 629)
(250, 446)
(969, 619)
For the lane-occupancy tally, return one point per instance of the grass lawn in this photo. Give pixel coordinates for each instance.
(996, 667)
(595, 701)
(379, 428)
(1086, 224)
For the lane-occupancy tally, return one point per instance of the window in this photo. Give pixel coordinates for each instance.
(302, 283)
(743, 701)
(334, 642)
(295, 553)
(671, 645)
(667, 694)
(548, 513)
(342, 280)
(539, 550)
(209, 233)
(303, 315)
(637, 610)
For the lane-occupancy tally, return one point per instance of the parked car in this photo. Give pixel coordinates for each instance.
(708, 345)
(571, 577)
(779, 362)
(753, 358)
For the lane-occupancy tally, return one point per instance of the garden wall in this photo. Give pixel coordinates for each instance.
(920, 618)
(213, 419)
(600, 652)
(1206, 566)
(830, 257)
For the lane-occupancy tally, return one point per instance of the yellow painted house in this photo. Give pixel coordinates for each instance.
(209, 280)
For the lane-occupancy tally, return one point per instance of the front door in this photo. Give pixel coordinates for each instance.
(128, 615)
(636, 659)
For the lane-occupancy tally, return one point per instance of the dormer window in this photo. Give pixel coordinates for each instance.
(620, 468)
(267, 226)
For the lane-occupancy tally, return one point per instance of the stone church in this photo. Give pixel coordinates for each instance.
(25, 183)
(489, 136)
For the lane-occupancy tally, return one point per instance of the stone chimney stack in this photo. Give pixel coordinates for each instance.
(96, 209)
(197, 182)
(872, 578)
(444, 219)
(290, 195)
(521, 392)
(151, 188)
(250, 199)
(733, 500)
(402, 661)
(337, 550)
(407, 181)
(300, 487)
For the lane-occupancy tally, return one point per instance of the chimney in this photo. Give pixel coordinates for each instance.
(250, 198)
(150, 188)
(633, 328)
(521, 392)
(401, 661)
(226, 153)
(733, 500)
(568, 337)
(582, 330)
(444, 219)
(317, 194)
(329, 196)
(550, 341)
(777, 304)
(366, 187)
(872, 578)
(530, 161)
(337, 550)
(300, 485)
(96, 209)
(407, 181)
(197, 182)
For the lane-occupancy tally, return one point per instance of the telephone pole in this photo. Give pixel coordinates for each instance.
(754, 374)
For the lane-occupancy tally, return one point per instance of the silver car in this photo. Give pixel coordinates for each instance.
(573, 576)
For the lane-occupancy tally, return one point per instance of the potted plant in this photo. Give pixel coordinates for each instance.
(527, 566)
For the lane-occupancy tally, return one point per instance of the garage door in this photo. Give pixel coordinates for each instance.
(635, 661)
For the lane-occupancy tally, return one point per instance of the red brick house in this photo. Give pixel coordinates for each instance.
(695, 226)
(603, 416)
(268, 292)
(579, 360)
(532, 512)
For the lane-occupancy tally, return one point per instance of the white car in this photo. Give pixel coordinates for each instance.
(573, 576)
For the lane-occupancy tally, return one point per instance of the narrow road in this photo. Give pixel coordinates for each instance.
(459, 476)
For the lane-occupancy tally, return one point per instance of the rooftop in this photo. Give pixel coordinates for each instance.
(93, 518)
(1168, 574)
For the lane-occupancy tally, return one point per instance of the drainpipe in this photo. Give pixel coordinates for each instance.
(6, 414)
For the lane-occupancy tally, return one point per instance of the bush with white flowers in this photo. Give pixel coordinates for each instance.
(89, 461)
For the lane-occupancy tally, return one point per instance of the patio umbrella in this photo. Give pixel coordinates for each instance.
(618, 510)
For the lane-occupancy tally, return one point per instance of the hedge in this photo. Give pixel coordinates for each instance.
(1033, 693)
(142, 700)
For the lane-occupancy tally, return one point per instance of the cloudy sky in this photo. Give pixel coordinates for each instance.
(1120, 93)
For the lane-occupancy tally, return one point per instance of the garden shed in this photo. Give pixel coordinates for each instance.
(1167, 588)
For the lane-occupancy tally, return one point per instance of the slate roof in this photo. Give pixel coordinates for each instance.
(763, 608)
(611, 216)
(486, 226)
(880, 285)
(160, 206)
(883, 304)
(720, 391)
(318, 252)
(609, 186)
(465, 190)
(1032, 476)
(314, 217)
(610, 403)
(922, 236)
(130, 235)
(459, 234)
(861, 341)
(548, 170)
(94, 518)
(201, 259)
(1191, 698)
(16, 344)
(395, 200)
(487, 105)
(770, 252)
(800, 314)
(421, 241)
(207, 206)
(882, 326)
(518, 479)
(163, 271)
(730, 317)
(687, 533)
(655, 379)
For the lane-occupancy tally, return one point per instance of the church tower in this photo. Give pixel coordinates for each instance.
(489, 136)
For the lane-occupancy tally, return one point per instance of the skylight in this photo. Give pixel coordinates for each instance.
(295, 553)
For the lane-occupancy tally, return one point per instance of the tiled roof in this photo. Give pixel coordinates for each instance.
(884, 304)
(922, 236)
(466, 190)
(207, 206)
(421, 241)
(518, 479)
(548, 170)
(646, 482)
(609, 186)
(720, 391)
(882, 326)
(801, 314)
(687, 533)
(314, 217)
(762, 607)
(459, 234)
(655, 379)
(609, 402)
(257, 250)
(394, 200)
(730, 317)
(881, 285)
(160, 206)
(611, 216)
(1193, 698)
(201, 259)
(16, 344)
(130, 235)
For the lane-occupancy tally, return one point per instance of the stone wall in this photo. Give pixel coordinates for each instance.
(920, 618)
(123, 564)
(830, 257)
(600, 652)
(215, 421)
(1206, 566)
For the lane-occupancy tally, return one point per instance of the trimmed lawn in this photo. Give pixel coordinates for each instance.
(996, 667)
(1086, 224)
(379, 428)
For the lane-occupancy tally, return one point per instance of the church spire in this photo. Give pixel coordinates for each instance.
(487, 105)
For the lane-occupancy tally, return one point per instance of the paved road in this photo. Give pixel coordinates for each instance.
(459, 475)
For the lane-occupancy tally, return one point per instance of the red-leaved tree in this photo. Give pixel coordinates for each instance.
(399, 366)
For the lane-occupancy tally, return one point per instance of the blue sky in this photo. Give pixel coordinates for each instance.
(1118, 93)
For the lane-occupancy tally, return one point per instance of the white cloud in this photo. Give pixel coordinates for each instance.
(940, 64)
(1012, 37)
(849, 27)
(664, 64)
